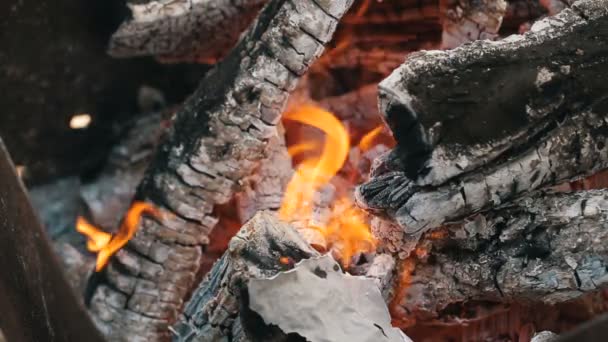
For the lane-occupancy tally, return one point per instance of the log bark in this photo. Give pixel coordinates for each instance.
(487, 122)
(467, 21)
(260, 291)
(218, 138)
(548, 248)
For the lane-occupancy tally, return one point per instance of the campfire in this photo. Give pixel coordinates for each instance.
(347, 170)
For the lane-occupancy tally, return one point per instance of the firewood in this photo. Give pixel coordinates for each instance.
(264, 188)
(194, 30)
(547, 248)
(471, 136)
(466, 21)
(214, 310)
(255, 289)
(217, 139)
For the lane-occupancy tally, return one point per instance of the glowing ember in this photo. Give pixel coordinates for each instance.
(346, 230)
(405, 278)
(106, 244)
(285, 260)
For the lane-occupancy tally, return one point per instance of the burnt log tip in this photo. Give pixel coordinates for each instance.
(424, 99)
(487, 122)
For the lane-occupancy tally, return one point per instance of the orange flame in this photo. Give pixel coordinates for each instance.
(368, 139)
(96, 238)
(106, 244)
(307, 146)
(346, 230)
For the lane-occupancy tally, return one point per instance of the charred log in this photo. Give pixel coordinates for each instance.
(216, 140)
(102, 200)
(216, 310)
(471, 136)
(204, 30)
(547, 248)
(260, 291)
(198, 31)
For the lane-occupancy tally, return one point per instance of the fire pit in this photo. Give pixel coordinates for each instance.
(344, 171)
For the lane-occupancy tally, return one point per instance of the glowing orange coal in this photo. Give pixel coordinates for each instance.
(106, 244)
(346, 229)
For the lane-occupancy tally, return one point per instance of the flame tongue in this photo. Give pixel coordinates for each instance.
(96, 238)
(345, 226)
(106, 244)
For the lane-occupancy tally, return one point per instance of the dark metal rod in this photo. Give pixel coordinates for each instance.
(36, 302)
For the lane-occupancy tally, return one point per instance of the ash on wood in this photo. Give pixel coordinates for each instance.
(547, 248)
(219, 306)
(263, 290)
(481, 128)
(489, 121)
(218, 139)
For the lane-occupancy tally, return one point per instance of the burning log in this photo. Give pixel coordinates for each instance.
(548, 247)
(102, 200)
(257, 250)
(217, 140)
(454, 160)
(254, 293)
(199, 30)
(546, 125)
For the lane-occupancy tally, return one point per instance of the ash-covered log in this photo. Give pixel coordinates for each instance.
(263, 247)
(467, 21)
(194, 30)
(217, 139)
(489, 121)
(479, 129)
(548, 248)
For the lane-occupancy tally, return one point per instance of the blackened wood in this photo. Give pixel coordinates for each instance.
(36, 301)
(546, 248)
(484, 123)
(217, 140)
(218, 309)
(194, 30)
